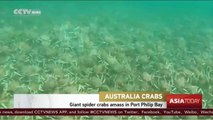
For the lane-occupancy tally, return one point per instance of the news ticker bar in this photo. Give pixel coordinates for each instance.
(106, 112)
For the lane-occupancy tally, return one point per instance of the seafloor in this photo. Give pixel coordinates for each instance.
(98, 53)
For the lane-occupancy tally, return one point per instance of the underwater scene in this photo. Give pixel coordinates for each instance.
(83, 47)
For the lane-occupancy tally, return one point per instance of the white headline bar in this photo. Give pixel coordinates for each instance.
(75, 101)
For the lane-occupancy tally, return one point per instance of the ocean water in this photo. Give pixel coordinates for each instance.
(68, 47)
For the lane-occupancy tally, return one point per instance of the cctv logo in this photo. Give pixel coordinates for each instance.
(184, 101)
(26, 12)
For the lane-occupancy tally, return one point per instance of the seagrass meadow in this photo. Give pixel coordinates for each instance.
(83, 47)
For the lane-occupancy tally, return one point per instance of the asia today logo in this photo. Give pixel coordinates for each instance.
(193, 101)
(26, 11)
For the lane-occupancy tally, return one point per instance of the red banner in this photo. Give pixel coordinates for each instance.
(99, 112)
(193, 101)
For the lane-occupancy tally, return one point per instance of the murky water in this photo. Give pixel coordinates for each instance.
(89, 46)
